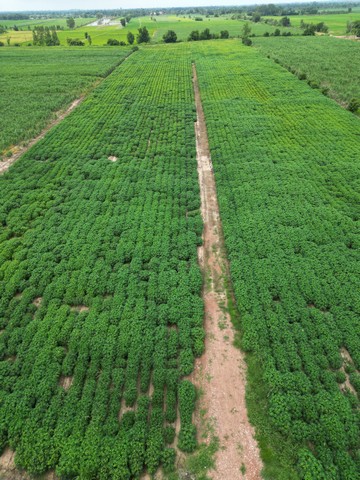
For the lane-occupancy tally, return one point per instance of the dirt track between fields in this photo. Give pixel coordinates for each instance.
(221, 372)
(20, 150)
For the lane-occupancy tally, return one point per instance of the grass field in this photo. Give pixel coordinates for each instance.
(314, 57)
(36, 82)
(335, 22)
(79, 21)
(101, 311)
(182, 26)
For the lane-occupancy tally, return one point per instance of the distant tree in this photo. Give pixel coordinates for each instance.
(321, 27)
(2, 44)
(205, 35)
(130, 38)
(123, 22)
(75, 42)
(113, 42)
(86, 35)
(128, 18)
(256, 18)
(8, 40)
(354, 105)
(89, 40)
(355, 28)
(15, 28)
(246, 30)
(285, 22)
(70, 22)
(170, 37)
(309, 30)
(266, 34)
(54, 38)
(224, 34)
(246, 41)
(143, 35)
(277, 32)
(194, 36)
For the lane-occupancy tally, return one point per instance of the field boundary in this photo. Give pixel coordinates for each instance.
(18, 150)
(220, 373)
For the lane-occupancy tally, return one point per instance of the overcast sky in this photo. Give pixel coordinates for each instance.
(14, 5)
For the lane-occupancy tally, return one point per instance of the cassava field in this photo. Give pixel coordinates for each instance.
(188, 173)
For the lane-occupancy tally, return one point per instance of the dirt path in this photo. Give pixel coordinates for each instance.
(220, 373)
(18, 150)
(60, 115)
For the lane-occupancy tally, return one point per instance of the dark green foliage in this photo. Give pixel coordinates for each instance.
(194, 36)
(354, 105)
(130, 38)
(224, 34)
(246, 41)
(170, 37)
(75, 42)
(113, 42)
(45, 36)
(143, 35)
(187, 397)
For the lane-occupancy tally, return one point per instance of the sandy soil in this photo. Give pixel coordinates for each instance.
(347, 360)
(220, 373)
(20, 150)
(66, 382)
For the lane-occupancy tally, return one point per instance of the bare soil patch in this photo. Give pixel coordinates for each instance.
(37, 302)
(79, 308)
(20, 150)
(221, 371)
(112, 158)
(347, 360)
(66, 382)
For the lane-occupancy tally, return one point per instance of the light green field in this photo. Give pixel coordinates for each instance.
(336, 23)
(314, 57)
(45, 22)
(183, 26)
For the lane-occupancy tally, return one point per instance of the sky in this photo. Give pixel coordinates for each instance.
(18, 5)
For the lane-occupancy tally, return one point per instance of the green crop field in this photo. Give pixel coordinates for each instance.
(102, 281)
(336, 22)
(110, 248)
(314, 57)
(39, 81)
(286, 162)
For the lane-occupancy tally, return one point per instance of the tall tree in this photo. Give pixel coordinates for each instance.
(70, 22)
(143, 35)
(130, 38)
(170, 37)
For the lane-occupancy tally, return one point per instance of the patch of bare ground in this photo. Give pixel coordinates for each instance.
(19, 150)
(348, 37)
(112, 158)
(66, 382)
(37, 302)
(79, 308)
(347, 360)
(221, 372)
(8, 470)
